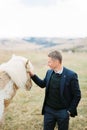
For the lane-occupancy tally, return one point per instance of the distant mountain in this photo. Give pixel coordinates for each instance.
(31, 43)
(41, 41)
(78, 44)
(16, 44)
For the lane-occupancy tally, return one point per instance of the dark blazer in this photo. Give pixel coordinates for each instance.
(69, 89)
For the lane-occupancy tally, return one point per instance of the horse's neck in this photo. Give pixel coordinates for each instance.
(4, 79)
(12, 93)
(15, 87)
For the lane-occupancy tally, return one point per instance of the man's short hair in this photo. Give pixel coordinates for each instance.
(55, 55)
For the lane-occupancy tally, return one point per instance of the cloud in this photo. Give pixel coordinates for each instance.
(38, 2)
(66, 18)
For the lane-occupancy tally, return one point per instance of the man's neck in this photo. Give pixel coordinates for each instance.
(59, 69)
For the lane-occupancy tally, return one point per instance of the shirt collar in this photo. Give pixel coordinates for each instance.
(60, 71)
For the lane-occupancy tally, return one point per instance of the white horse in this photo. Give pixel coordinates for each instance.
(13, 75)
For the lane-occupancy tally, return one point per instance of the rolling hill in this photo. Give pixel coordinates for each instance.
(33, 43)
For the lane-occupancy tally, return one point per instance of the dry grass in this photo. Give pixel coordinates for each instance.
(24, 112)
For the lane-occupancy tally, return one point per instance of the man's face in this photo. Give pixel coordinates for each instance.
(53, 63)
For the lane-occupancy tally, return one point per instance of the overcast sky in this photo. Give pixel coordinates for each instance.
(50, 18)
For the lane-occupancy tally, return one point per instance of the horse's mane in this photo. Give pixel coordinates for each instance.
(15, 68)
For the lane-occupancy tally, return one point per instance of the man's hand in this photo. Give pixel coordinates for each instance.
(31, 73)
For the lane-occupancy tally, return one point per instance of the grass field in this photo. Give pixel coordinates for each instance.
(24, 112)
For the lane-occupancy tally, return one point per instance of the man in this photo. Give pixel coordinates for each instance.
(62, 93)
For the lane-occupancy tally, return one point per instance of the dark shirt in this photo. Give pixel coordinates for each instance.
(53, 97)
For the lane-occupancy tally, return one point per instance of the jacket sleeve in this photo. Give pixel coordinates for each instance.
(76, 93)
(41, 83)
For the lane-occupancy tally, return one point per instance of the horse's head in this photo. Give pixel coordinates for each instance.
(28, 66)
(20, 67)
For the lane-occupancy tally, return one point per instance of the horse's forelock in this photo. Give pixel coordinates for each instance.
(28, 66)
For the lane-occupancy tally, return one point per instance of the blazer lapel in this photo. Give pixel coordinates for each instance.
(48, 77)
(62, 83)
